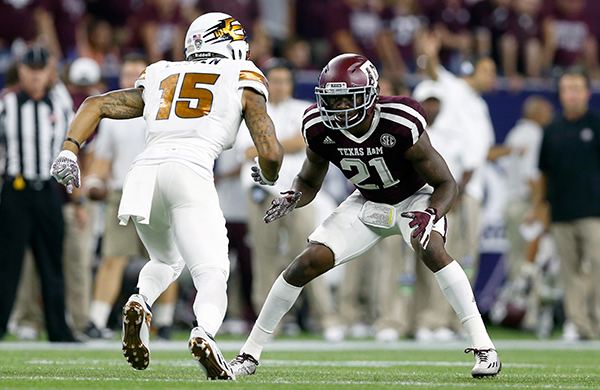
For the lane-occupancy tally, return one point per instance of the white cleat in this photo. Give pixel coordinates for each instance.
(243, 365)
(136, 332)
(205, 350)
(487, 362)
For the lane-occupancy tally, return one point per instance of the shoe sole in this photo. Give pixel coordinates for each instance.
(136, 353)
(209, 361)
(479, 376)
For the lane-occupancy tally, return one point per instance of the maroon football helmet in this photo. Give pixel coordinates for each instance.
(349, 77)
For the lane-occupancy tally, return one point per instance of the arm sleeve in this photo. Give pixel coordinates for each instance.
(251, 77)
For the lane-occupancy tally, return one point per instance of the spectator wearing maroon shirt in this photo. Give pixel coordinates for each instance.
(100, 45)
(358, 26)
(15, 21)
(60, 25)
(451, 21)
(158, 30)
(246, 11)
(521, 44)
(116, 12)
(568, 39)
(298, 53)
(489, 21)
(406, 22)
(310, 17)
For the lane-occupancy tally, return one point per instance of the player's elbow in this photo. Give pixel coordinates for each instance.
(92, 104)
(453, 188)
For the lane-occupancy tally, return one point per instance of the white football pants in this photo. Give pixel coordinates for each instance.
(186, 227)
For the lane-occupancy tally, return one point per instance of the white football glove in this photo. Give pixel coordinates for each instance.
(66, 170)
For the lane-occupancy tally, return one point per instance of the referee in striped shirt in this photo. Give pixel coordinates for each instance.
(33, 125)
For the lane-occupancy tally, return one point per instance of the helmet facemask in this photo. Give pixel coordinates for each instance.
(361, 98)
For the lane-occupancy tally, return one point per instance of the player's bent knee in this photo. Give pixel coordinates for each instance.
(435, 256)
(315, 260)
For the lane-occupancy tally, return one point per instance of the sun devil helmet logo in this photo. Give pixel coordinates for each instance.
(227, 30)
(216, 34)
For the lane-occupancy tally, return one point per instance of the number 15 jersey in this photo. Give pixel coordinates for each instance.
(193, 109)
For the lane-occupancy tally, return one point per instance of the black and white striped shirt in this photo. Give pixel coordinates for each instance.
(32, 133)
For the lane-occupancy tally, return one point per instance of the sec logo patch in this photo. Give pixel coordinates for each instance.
(387, 140)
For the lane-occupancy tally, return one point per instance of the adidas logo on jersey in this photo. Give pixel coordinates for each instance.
(328, 140)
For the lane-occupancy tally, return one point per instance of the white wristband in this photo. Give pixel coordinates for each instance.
(68, 154)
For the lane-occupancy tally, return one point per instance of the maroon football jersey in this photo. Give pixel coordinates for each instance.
(375, 162)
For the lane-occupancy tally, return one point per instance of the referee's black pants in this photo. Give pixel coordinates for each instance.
(32, 217)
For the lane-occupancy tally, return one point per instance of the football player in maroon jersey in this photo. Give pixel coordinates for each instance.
(403, 186)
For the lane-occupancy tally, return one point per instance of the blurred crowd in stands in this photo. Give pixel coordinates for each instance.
(531, 42)
(526, 38)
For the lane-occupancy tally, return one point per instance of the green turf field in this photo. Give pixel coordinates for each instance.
(307, 364)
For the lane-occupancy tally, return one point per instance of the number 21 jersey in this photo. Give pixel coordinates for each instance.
(193, 109)
(374, 162)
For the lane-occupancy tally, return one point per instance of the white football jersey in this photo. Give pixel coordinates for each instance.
(193, 109)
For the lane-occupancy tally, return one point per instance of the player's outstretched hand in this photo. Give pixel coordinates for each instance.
(66, 170)
(422, 222)
(282, 205)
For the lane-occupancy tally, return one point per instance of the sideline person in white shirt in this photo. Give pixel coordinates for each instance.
(434, 317)
(521, 172)
(467, 112)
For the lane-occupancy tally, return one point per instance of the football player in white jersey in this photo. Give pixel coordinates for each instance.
(193, 110)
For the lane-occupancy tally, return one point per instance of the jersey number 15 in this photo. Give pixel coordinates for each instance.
(192, 101)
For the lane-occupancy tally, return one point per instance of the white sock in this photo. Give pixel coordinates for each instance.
(99, 313)
(154, 279)
(280, 300)
(457, 290)
(210, 304)
(162, 315)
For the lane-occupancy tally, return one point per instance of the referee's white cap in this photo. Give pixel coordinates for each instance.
(84, 71)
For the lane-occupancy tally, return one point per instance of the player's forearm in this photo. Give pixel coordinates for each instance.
(309, 191)
(120, 104)
(443, 197)
(270, 152)
(262, 130)
(84, 123)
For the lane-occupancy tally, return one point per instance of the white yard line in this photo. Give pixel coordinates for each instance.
(312, 345)
(281, 381)
(280, 363)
